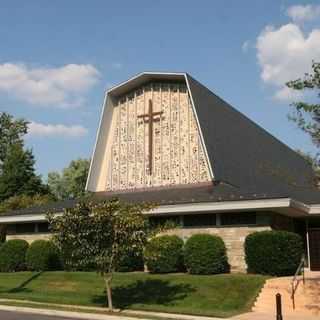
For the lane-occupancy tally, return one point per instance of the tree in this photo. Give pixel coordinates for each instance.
(18, 174)
(307, 115)
(11, 132)
(98, 234)
(71, 183)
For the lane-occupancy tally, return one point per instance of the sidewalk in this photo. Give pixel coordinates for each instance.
(143, 315)
(264, 316)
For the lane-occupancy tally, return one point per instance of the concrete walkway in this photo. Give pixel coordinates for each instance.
(268, 316)
(26, 313)
(307, 297)
(58, 314)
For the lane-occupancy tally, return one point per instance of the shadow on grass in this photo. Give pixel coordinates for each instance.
(21, 287)
(147, 292)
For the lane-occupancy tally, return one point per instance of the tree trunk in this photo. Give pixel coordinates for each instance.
(107, 280)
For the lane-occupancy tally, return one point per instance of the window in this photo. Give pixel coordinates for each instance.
(22, 228)
(247, 218)
(25, 228)
(11, 229)
(160, 221)
(199, 220)
(43, 227)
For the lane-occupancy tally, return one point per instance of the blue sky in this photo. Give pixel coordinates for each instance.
(58, 57)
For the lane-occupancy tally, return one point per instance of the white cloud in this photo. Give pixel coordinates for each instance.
(54, 130)
(245, 46)
(285, 54)
(300, 13)
(59, 87)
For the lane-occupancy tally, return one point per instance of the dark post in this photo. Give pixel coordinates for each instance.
(279, 306)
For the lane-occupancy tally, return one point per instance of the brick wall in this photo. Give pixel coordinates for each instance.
(30, 237)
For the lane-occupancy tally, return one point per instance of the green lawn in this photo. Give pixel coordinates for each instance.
(218, 295)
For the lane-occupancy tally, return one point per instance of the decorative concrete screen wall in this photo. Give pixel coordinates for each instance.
(176, 155)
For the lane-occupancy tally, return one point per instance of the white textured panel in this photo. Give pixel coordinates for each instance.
(114, 165)
(193, 149)
(123, 144)
(174, 135)
(184, 136)
(131, 141)
(147, 97)
(165, 129)
(157, 150)
(140, 140)
(177, 154)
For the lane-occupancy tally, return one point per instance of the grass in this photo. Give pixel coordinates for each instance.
(218, 295)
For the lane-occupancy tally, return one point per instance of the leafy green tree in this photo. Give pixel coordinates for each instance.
(18, 174)
(99, 234)
(307, 115)
(71, 182)
(11, 132)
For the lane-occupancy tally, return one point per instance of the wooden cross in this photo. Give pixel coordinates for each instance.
(150, 119)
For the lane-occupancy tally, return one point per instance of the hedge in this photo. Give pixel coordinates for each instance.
(13, 255)
(205, 254)
(43, 255)
(277, 253)
(131, 261)
(164, 254)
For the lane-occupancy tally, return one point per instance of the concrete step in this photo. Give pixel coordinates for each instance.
(284, 299)
(311, 307)
(307, 297)
(287, 310)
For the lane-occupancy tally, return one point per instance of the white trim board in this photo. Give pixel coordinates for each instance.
(206, 207)
(229, 206)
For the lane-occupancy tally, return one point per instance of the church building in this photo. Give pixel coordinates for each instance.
(166, 138)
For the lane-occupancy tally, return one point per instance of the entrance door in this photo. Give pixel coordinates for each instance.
(314, 247)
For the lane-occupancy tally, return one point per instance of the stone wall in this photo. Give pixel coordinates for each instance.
(233, 238)
(30, 237)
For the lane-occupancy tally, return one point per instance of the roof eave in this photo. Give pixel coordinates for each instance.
(141, 78)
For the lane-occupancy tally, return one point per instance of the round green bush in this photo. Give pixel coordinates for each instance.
(164, 254)
(276, 253)
(205, 254)
(42, 255)
(130, 261)
(13, 255)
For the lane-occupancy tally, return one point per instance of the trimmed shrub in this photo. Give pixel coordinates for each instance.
(13, 255)
(277, 253)
(131, 261)
(42, 255)
(205, 254)
(164, 254)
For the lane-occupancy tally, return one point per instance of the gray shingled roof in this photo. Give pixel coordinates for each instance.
(178, 195)
(242, 153)
(248, 163)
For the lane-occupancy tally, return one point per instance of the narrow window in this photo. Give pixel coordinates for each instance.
(199, 220)
(230, 219)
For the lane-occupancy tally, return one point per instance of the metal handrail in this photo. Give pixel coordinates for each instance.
(295, 281)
